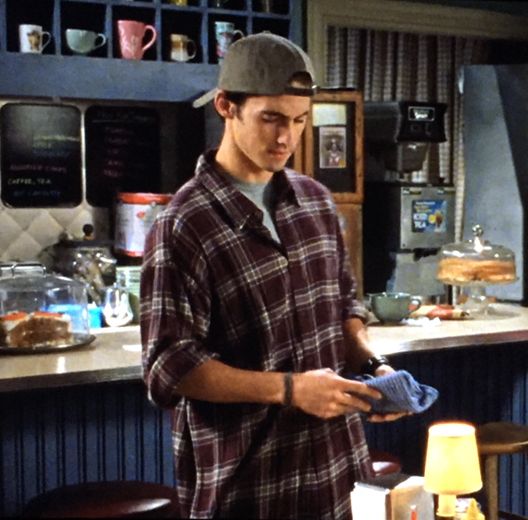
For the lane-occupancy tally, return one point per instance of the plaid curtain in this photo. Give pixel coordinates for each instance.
(390, 66)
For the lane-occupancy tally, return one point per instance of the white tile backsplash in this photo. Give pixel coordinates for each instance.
(24, 233)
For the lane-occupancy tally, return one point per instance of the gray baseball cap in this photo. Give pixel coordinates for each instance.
(264, 64)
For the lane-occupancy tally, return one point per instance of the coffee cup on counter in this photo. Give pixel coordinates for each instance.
(393, 307)
(80, 41)
(131, 34)
(182, 47)
(33, 39)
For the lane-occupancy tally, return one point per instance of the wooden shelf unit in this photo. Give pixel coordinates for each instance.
(57, 72)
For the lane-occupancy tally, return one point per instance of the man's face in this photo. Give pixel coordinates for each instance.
(266, 130)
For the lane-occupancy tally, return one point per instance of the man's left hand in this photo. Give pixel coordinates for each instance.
(384, 370)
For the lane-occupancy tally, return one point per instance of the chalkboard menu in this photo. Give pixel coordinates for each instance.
(122, 152)
(41, 155)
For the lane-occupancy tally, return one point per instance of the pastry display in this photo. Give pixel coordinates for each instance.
(476, 261)
(41, 312)
(463, 270)
(46, 329)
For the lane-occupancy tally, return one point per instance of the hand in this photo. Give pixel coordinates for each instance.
(384, 370)
(325, 394)
(387, 417)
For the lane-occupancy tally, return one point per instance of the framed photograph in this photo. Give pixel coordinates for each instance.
(332, 147)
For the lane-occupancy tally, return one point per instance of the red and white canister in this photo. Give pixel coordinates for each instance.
(135, 214)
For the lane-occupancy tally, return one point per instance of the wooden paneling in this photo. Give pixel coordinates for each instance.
(349, 204)
(352, 225)
(304, 157)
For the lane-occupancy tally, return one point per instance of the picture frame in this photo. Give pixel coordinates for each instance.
(332, 147)
(336, 119)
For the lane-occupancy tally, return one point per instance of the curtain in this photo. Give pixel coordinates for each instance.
(391, 66)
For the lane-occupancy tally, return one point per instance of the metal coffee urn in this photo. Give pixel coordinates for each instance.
(407, 217)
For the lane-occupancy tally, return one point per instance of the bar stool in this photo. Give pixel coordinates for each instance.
(494, 439)
(112, 499)
(384, 463)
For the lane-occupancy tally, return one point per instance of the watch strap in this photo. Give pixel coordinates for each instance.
(373, 363)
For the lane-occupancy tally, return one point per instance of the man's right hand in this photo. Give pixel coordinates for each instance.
(325, 394)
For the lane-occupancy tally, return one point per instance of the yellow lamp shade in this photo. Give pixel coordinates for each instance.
(452, 463)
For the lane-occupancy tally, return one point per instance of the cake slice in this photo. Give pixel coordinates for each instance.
(37, 329)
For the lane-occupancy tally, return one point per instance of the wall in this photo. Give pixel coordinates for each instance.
(27, 231)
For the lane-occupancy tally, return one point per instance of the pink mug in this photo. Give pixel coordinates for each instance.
(131, 34)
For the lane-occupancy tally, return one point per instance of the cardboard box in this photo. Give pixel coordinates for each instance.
(390, 497)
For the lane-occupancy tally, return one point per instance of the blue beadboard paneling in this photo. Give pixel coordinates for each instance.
(110, 431)
(55, 437)
(476, 384)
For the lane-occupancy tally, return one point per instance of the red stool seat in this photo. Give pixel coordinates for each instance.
(384, 463)
(113, 499)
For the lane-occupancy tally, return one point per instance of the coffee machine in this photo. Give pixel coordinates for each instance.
(407, 217)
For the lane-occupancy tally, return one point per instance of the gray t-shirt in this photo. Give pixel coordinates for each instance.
(263, 196)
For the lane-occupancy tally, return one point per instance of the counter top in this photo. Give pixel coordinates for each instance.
(504, 323)
(115, 355)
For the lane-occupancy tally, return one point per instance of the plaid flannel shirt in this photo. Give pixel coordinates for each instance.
(216, 285)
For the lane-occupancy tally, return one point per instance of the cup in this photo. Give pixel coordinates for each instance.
(32, 38)
(266, 6)
(393, 306)
(182, 48)
(84, 42)
(225, 34)
(131, 34)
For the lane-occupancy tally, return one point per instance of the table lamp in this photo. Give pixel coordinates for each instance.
(451, 464)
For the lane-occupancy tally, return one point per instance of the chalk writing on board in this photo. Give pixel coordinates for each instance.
(123, 151)
(41, 155)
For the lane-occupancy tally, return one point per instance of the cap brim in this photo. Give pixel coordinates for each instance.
(204, 99)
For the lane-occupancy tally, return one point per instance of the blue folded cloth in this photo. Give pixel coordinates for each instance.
(401, 393)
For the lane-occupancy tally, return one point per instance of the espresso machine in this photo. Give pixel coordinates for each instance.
(407, 217)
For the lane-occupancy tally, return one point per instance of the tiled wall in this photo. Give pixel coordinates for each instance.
(25, 232)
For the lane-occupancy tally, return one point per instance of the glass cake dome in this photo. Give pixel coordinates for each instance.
(42, 310)
(475, 264)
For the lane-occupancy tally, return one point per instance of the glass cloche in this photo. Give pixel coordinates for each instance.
(475, 264)
(42, 311)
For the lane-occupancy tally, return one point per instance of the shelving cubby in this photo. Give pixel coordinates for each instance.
(58, 72)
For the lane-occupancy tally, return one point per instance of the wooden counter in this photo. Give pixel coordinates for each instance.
(115, 355)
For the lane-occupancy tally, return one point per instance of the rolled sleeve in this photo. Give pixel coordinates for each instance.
(175, 310)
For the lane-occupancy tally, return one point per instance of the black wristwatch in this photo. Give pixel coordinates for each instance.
(373, 363)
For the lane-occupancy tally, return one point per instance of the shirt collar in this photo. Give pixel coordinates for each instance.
(238, 207)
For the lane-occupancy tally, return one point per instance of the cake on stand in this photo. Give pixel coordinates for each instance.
(473, 265)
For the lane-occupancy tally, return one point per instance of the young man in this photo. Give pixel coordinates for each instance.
(249, 316)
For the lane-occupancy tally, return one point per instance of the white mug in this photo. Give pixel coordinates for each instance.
(32, 38)
(225, 33)
(182, 47)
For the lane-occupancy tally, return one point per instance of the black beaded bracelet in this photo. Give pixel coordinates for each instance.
(373, 363)
(288, 389)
